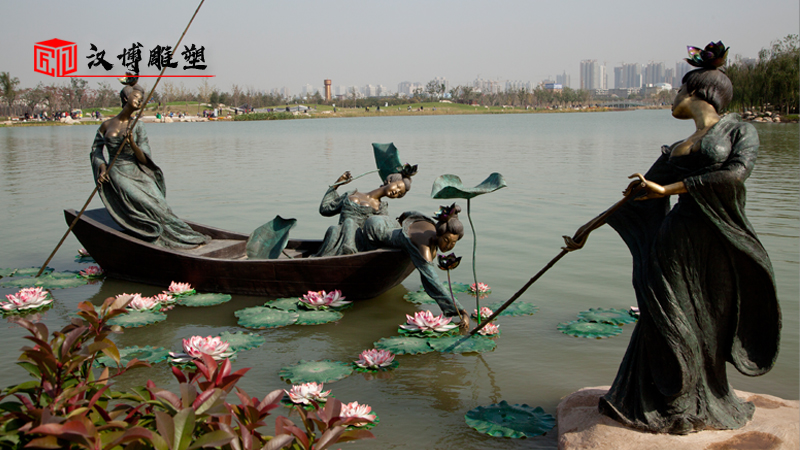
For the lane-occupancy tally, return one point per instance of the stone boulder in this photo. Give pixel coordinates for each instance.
(775, 426)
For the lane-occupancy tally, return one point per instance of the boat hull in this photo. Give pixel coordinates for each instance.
(220, 266)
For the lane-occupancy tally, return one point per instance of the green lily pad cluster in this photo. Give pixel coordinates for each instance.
(135, 319)
(261, 317)
(407, 345)
(152, 355)
(515, 309)
(286, 311)
(195, 300)
(325, 371)
(19, 278)
(511, 421)
(598, 323)
(240, 340)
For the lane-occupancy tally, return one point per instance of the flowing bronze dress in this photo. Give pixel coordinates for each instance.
(705, 289)
(135, 194)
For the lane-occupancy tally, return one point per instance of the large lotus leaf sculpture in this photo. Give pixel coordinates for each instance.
(52, 280)
(325, 371)
(463, 344)
(610, 315)
(269, 240)
(511, 421)
(450, 186)
(427, 333)
(591, 330)
(240, 340)
(404, 345)
(386, 159)
(284, 304)
(259, 317)
(135, 319)
(515, 309)
(200, 300)
(317, 317)
(147, 353)
(419, 298)
(24, 272)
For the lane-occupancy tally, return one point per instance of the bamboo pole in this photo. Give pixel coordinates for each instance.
(113, 160)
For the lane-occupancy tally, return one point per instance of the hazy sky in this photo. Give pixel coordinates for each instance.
(270, 44)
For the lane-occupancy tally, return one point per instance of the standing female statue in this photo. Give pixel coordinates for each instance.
(421, 237)
(703, 281)
(354, 208)
(134, 191)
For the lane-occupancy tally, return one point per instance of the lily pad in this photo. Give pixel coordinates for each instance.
(135, 319)
(404, 345)
(284, 304)
(427, 333)
(589, 329)
(366, 426)
(419, 298)
(325, 371)
(317, 317)
(511, 421)
(199, 300)
(451, 186)
(463, 344)
(515, 309)
(607, 315)
(149, 354)
(391, 366)
(30, 271)
(240, 340)
(61, 281)
(25, 312)
(458, 288)
(259, 317)
(85, 259)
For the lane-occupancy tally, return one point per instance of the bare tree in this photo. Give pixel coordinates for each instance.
(204, 91)
(8, 88)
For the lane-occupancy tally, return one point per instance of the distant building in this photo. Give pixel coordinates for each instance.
(563, 79)
(681, 69)
(555, 87)
(517, 85)
(590, 75)
(407, 88)
(654, 73)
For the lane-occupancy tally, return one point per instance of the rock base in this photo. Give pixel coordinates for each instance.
(775, 425)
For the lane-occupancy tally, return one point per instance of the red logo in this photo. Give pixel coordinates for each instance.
(55, 57)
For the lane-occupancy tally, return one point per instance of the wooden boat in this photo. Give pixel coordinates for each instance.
(221, 265)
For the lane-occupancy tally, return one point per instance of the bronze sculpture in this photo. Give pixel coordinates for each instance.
(354, 208)
(422, 237)
(134, 191)
(703, 281)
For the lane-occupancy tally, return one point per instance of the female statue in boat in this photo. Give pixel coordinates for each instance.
(354, 208)
(421, 237)
(703, 281)
(134, 191)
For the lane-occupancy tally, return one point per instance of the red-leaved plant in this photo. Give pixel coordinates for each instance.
(67, 405)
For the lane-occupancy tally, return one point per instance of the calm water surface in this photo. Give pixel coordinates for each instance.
(561, 169)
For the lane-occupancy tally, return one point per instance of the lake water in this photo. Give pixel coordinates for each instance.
(561, 170)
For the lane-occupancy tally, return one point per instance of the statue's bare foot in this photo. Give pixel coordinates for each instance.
(463, 326)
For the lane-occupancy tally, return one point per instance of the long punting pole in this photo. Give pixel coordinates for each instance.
(573, 243)
(113, 160)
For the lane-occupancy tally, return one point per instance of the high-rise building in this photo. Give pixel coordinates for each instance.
(631, 76)
(590, 74)
(654, 73)
(681, 68)
(563, 79)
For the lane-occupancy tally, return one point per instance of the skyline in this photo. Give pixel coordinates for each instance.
(270, 45)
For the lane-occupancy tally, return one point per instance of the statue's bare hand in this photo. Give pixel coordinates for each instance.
(463, 325)
(345, 178)
(654, 190)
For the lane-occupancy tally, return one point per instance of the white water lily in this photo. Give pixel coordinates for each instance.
(179, 289)
(489, 329)
(425, 321)
(91, 272)
(355, 411)
(307, 392)
(324, 300)
(27, 298)
(140, 303)
(485, 313)
(375, 359)
(197, 346)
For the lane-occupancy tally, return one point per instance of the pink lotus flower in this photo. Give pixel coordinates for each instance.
(483, 288)
(140, 303)
(83, 253)
(323, 300)
(306, 393)
(196, 346)
(375, 359)
(355, 411)
(27, 298)
(485, 313)
(165, 301)
(177, 289)
(425, 321)
(92, 272)
(490, 329)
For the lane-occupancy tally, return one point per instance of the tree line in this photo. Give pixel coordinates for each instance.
(772, 82)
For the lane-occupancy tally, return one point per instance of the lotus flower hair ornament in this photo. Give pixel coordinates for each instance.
(711, 57)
